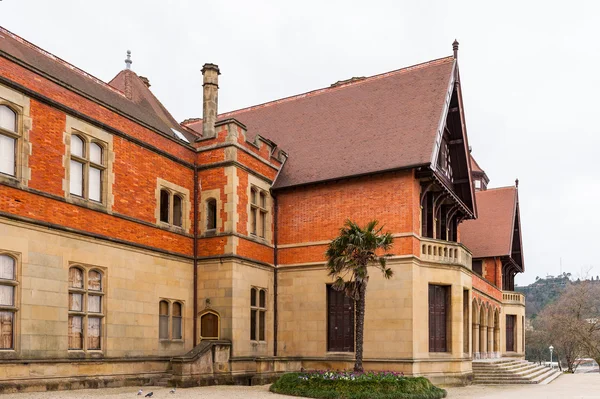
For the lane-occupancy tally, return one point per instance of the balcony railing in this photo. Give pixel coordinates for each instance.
(511, 297)
(445, 252)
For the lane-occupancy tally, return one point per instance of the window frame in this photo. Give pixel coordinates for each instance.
(211, 215)
(17, 136)
(206, 313)
(258, 311)
(14, 308)
(170, 305)
(437, 346)
(258, 217)
(85, 314)
(87, 166)
(170, 223)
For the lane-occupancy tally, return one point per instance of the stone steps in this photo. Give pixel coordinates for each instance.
(508, 371)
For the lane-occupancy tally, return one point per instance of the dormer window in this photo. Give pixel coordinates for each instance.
(478, 184)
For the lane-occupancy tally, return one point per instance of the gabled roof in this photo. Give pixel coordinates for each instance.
(475, 168)
(492, 233)
(40, 61)
(356, 127)
(134, 88)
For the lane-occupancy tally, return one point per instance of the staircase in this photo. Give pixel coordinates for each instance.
(509, 371)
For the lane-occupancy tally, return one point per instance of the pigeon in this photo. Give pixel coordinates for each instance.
(172, 390)
(149, 395)
(140, 392)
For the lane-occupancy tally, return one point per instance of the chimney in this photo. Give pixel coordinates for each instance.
(210, 100)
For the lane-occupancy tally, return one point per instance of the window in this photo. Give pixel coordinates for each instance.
(8, 284)
(170, 320)
(163, 323)
(258, 212)
(87, 167)
(258, 310)
(86, 310)
(340, 321)
(438, 315)
(176, 321)
(8, 140)
(478, 267)
(478, 184)
(211, 214)
(171, 208)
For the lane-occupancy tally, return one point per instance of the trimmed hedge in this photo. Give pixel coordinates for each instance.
(331, 385)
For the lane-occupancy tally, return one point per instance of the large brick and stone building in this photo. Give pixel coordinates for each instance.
(136, 249)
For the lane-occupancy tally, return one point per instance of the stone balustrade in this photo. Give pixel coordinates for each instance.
(445, 252)
(511, 297)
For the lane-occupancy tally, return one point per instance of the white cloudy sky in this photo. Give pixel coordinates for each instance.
(529, 71)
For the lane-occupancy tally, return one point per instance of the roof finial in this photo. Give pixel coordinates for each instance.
(128, 60)
(517, 183)
(455, 48)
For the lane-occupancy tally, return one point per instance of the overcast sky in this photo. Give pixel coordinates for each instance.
(529, 70)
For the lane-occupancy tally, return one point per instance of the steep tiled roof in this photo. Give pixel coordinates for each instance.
(492, 232)
(144, 110)
(134, 88)
(475, 168)
(361, 126)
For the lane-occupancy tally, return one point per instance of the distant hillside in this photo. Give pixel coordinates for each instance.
(542, 292)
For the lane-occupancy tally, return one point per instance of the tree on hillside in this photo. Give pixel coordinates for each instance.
(349, 257)
(556, 325)
(572, 322)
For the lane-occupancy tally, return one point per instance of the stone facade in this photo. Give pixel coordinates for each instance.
(210, 269)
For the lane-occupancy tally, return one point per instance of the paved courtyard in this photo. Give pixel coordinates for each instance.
(575, 386)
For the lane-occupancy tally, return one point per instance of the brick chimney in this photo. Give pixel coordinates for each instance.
(210, 102)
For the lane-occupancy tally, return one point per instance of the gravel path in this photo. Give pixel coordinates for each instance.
(577, 386)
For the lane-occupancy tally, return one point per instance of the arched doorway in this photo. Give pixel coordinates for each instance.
(475, 332)
(482, 332)
(210, 325)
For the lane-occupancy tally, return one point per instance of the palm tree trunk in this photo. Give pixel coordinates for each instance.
(360, 326)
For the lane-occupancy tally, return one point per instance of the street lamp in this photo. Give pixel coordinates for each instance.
(551, 349)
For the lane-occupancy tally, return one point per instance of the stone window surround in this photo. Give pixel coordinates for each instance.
(85, 313)
(87, 163)
(205, 196)
(258, 309)
(170, 302)
(173, 189)
(260, 186)
(10, 353)
(89, 134)
(21, 106)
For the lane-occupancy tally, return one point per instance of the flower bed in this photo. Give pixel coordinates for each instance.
(350, 385)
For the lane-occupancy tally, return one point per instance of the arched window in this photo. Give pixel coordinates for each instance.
(86, 168)
(85, 308)
(211, 214)
(177, 314)
(164, 206)
(8, 285)
(177, 211)
(8, 140)
(209, 326)
(163, 324)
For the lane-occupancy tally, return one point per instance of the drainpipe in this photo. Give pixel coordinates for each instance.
(275, 211)
(195, 253)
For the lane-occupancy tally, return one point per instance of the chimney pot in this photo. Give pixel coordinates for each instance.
(210, 100)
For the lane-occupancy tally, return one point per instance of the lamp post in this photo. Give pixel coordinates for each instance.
(551, 349)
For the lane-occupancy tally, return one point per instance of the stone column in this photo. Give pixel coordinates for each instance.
(490, 342)
(482, 341)
(475, 337)
(210, 99)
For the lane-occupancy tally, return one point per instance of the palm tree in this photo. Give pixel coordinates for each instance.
(348, 259)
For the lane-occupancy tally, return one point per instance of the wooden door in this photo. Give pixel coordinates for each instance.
(510, 332)
(340, 321)
(438, 312)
